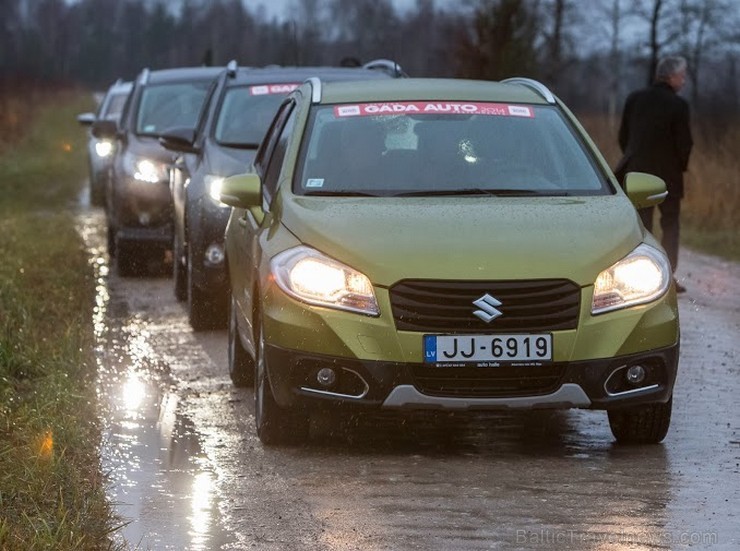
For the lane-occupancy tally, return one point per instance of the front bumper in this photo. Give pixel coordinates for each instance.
(592, 384)
(143, 211)
(206, 227)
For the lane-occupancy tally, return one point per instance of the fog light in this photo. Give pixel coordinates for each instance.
(326, 377)
(145, 218)
(636, 374)
(214, 254)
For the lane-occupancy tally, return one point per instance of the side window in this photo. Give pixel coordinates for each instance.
(205, 110)
(270, 156)
(127, 107)
(275, 165)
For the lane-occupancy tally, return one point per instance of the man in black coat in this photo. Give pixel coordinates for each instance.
(655, 137)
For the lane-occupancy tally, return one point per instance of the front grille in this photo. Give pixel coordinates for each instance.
(447, 306)
(487, 382)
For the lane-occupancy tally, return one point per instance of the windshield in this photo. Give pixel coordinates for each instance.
(247, 111)
(441, 148)
(114, 105)
(166, 106)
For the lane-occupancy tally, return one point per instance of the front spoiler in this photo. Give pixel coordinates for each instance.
(582, 384)
(567, 396)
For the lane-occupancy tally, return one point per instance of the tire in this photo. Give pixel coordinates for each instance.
(646, 424)
(111, 242)
(128, 259)
(275, 425)
(97, 196)
(179, 272)
(241, 364)
(205, 310)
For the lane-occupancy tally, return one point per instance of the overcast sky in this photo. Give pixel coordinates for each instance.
(277, 8)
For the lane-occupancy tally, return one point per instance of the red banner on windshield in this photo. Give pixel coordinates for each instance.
(433, 108)
(265, 89)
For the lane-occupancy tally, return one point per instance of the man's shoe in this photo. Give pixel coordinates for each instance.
(679, 288)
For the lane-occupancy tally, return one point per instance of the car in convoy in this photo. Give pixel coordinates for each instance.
(450, 245)
(100, 151)
(239, 110)
(139, 203)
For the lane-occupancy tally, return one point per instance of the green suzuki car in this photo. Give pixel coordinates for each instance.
(444, 244)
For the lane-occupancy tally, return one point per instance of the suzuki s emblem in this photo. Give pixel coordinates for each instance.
(488, 310)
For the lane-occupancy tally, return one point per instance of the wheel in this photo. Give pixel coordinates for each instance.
(128, 259)
(646, 424)
(97, 195)
(241, 364)
(179, 274)
(205, 310)
(111, 242)
(275, 425)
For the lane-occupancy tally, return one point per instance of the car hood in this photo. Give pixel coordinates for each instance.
(473, 238)
(227, 161)
(149, 147)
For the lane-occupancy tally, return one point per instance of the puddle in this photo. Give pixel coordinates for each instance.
(160, 481)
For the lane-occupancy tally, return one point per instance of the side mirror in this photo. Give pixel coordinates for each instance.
(105, 128)
(179, 140)
(86, 119)
(242, 191)
(645, 190)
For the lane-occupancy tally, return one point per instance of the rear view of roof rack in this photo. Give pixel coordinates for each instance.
(231, 68)
(537, 86)
(390, 67)
(386, 65)
(144, 78)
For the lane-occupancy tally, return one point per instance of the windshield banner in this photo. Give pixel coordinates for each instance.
(265, 89)
(432, 108)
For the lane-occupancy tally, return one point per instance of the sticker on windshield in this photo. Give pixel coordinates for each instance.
(432, 108)
(314, 182)
(265, 89)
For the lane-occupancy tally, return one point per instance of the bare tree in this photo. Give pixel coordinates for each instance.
(502, 42)
(706, 26)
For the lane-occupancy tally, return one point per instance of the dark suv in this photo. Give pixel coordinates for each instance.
(238, 113)
(139, 204)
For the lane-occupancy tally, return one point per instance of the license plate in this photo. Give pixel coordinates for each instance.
(486, 350)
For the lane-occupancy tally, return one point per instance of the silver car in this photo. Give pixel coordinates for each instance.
(100, 150)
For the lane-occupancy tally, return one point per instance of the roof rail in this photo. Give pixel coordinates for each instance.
(231, 67)
(144, 78)
(532, 84)
(387, 65)
(315, 89)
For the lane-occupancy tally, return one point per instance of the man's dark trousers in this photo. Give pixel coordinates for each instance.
(670, 211)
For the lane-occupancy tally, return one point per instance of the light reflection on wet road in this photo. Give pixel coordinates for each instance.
(188, 472)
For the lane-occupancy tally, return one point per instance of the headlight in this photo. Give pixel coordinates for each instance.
(104, 148)
(145, 170)
(642, 276)
(213, 188)
(308, 275)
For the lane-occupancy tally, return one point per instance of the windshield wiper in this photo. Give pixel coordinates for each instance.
(481, 191)
(237, 145)
(341, 193)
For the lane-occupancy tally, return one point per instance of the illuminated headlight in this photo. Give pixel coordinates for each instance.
(642, 276)
(104, 148)
(310, 276)
(213, 187)
(145, 170)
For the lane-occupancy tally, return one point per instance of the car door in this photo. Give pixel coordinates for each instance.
(185, 165)
(268, 164)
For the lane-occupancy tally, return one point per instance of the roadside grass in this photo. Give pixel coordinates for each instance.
(709, 211)
(51, 489)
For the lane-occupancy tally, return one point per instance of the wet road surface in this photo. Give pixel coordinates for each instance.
(186, 470)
